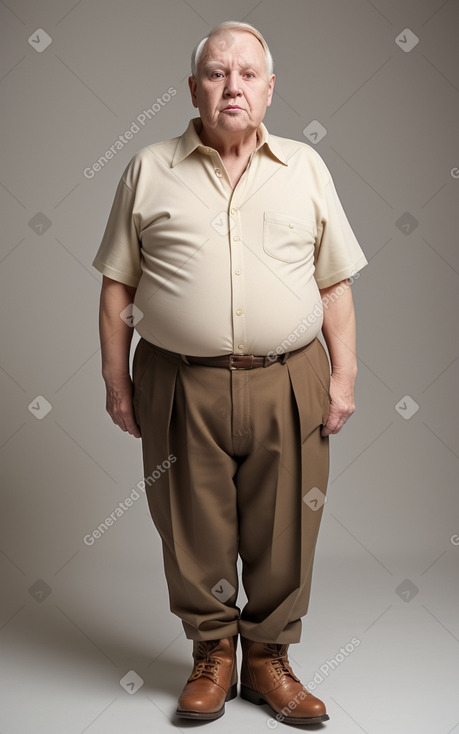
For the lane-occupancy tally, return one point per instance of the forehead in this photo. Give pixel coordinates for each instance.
(226, 45)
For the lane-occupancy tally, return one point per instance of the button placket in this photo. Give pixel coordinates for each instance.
(236, 246)
(219, 169)
(237, 277)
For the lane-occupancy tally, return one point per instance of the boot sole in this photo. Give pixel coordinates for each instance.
(248, 694)
(209, 716)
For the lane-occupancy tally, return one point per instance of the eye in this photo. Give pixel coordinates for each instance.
(217, 74)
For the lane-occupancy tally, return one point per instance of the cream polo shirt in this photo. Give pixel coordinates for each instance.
(221, 270)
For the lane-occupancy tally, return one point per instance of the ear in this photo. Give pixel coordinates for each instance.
(272, 81)
(193, 86)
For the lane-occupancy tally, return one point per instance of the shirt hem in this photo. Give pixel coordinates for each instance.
(124, 278)
(342, 274)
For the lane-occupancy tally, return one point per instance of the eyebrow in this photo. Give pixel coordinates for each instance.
(220, 64)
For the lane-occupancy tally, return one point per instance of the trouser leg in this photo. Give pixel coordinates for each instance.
(287, 458)
(193, 506)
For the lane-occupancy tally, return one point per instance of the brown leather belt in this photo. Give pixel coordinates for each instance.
(240, 361)
(235, 361)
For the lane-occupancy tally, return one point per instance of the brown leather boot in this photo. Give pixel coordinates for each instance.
(213, 679)
(266, 677)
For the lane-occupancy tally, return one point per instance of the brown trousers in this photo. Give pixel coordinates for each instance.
(229, 459)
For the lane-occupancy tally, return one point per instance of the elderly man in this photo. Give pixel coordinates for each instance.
(230, 250)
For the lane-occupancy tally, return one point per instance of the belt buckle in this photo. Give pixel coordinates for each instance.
(239, 357)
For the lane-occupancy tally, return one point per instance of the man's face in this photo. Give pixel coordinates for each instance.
(231, 88)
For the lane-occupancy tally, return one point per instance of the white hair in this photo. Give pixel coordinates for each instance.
(227, 26)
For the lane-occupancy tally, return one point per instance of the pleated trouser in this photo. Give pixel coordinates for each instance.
(248, 476)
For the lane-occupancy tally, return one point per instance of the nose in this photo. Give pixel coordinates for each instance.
(232, 88)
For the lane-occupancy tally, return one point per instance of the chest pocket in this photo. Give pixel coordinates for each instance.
(288, 238)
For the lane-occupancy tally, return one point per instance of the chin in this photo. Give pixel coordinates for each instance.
(235, 123)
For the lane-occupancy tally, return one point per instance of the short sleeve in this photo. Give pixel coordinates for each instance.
(338, 253)
(118, 256)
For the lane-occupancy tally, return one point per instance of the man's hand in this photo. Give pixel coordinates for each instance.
(119, 405)
(342, 404)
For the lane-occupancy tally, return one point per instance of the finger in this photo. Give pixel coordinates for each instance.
(328, 428)
(118, 421)
(133, 429)
(127, 423)
(334, 423)
(343, 419)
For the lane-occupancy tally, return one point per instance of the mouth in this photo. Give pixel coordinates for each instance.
(233, 108)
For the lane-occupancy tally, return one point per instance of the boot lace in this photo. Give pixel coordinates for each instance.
(206, 668)
(205, 665)
(279, 661)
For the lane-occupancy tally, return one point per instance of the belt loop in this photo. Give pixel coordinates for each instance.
(184, 358)
(285, 356)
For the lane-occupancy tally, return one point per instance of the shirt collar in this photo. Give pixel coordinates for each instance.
(190, 141)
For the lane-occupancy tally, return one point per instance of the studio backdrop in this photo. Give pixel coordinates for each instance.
(373, 86)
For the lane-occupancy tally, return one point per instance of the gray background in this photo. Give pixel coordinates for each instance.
(76, 619)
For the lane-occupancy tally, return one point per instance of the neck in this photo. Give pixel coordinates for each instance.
(230, 145)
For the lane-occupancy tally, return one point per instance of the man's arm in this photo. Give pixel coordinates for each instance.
(115, 341)
(339, 331)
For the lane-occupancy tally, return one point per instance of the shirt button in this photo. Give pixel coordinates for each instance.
(240, 346)
(290, 225)
(239, 312)
(233, 210)
(218, 172)
(238, 271)
(236, 238)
